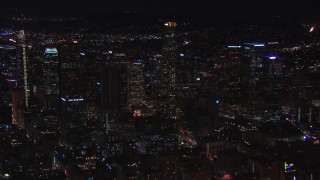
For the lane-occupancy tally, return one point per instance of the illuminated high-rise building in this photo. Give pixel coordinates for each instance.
(72, 88)
(120, 61)
(72, 67)
(51, 80)
(51, 71)
(272, 71)
(260, 80)
(22, 57)
(136, 93)
(167, 91)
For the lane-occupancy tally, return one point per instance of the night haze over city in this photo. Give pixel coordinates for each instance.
(166, 7)
(159, 90)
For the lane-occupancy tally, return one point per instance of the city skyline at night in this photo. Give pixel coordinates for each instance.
(159, 90)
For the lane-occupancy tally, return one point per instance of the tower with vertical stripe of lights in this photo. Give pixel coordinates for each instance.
(22, 45)
(167, 95)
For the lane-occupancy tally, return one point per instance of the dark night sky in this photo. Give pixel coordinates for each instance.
(163, 7)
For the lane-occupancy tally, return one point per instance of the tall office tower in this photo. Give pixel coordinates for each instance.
(120, 61)
(72, 85)
(167, 95)
(51, 85)
(272, 66)
(252, 74)
(71, 66)
(110, 88)
(185, 81)
(18, 64)
(272, 91)
(110, 110)
(22, 57)
(91, 89)
(136, 93)
(91, 66)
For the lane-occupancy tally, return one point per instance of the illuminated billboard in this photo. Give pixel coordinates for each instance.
(234, 47)
(288, 167)
(170, 24)
(72, 100)
(271, 56)
(255, 44)
(51, 51)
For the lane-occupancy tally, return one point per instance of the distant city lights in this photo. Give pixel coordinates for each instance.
(6, 33)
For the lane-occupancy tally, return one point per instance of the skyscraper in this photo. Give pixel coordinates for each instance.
(253, 52)
(51, 86)
(167, 91)
(72, 90)
(136, 94)
(23, 55)
(110, 88)
(120, 61)
(110, 109)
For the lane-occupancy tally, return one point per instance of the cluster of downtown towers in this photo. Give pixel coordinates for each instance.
(73, 90)
(79, 95)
